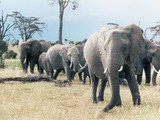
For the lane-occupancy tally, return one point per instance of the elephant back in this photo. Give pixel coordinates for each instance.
(54, 57)
(44, 45)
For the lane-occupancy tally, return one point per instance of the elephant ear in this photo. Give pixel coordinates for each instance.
(35, 48)
(135, 35)
(80, 48)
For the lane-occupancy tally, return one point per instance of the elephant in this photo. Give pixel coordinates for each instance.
(29, 53)
(68, 57)
(147, 70)
(43, 63)
(56, 62)
(76, 58)
(109, 51)
(153, 56)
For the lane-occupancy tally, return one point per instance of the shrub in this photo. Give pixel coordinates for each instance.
(10, 54)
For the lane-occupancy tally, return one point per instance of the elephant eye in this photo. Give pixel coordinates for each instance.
(69, 54)
(124, 47)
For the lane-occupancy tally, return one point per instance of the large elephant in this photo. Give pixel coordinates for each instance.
(107, 52)
(30, 51)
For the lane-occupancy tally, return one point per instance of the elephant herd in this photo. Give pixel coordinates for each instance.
(68, 58)
(108, 55)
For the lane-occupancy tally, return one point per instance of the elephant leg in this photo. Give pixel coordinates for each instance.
(25, 69)
(32, 64)
(133, 85)
(94, 85)
(57, 73)
(84, 78)
(147, 69)
(32, 68)
(47, 72)
(40, 70)
(72, 75)
(139, 78)
(101, 90)
(154, 75)
(80, 76)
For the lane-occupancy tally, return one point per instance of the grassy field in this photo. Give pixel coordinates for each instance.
(45, 101)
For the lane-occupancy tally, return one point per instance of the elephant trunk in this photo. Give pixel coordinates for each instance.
(113, 78)
(75, 65)
(112, 73)
(24, 63)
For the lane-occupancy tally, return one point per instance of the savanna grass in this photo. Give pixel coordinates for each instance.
(45, 101)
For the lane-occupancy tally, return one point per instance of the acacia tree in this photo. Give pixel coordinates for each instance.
(4, 36)
(155, 30)
(5, 27)
(27, 26)
(62, 5)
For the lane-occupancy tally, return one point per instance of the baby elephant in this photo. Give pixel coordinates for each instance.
(43, 63)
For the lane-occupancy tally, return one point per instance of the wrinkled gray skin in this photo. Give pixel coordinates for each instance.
(105, 52)
(29, 53)
(68, 57)
(43, 63)
(55, 56)
(147, 70)
(153, 56)
(76, 59)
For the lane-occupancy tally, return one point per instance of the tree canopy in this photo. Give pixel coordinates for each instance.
(27, 26)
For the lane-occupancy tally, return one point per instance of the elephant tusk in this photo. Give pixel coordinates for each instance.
(80, 65)
(120, 69)
(105, 70)
(71, 65)
(155, 69)
(25, 60)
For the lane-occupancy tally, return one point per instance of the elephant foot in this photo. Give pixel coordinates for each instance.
(119, 104)
(52, 79)
(100, 99)
(154, 84)
(106, 109)
(148, 84)
(137, 99)
(94, 101)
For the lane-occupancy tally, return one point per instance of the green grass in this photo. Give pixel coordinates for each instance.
(12, 63)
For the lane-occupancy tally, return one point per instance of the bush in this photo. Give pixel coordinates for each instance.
(10, 54)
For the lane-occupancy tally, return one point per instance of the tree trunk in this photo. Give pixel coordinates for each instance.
(60, 27)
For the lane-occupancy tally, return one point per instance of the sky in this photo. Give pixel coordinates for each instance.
(89, 17)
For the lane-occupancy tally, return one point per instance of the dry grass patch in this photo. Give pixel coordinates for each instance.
(45, 101)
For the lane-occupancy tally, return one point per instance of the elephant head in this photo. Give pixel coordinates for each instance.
(75, 56)
(63, 52)
(29, 53)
